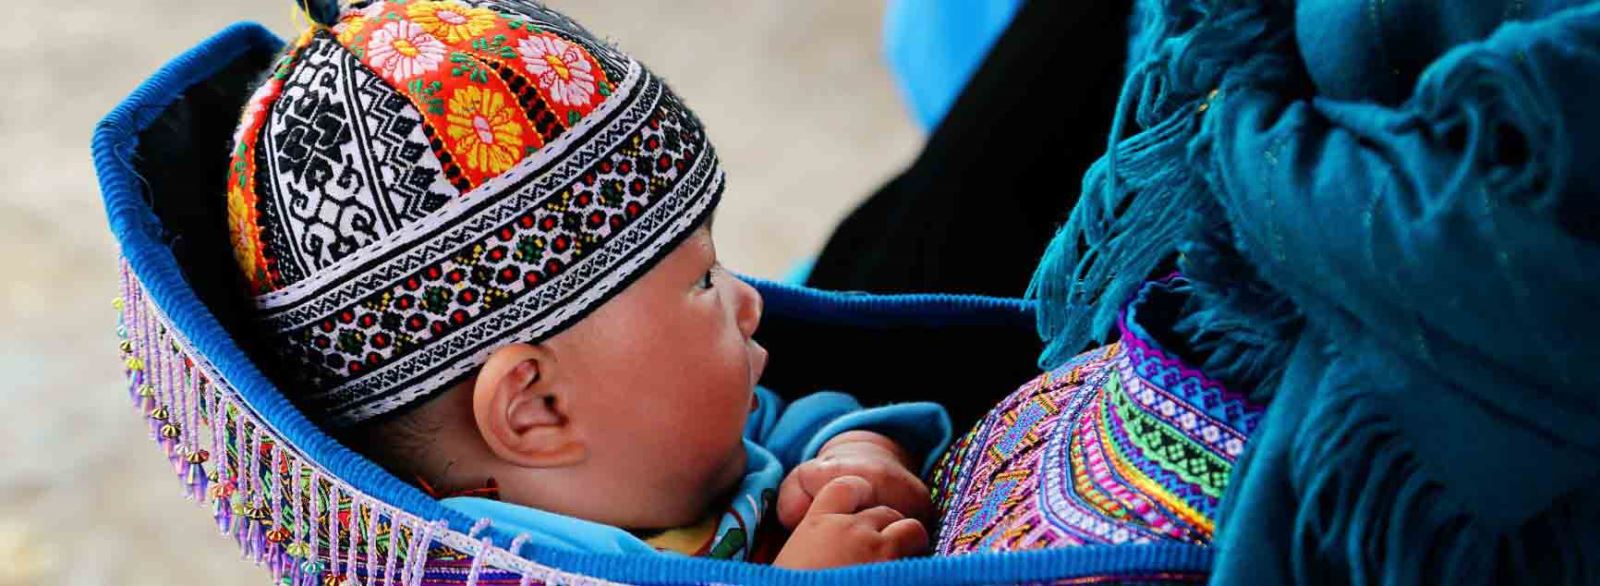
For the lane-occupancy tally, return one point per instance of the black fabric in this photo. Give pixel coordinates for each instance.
(967, 369)
(183, 159)
(975, 210)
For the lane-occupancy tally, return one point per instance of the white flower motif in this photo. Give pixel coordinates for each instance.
(560, 68)
(401, 50)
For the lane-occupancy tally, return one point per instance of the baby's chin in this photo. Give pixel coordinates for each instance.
(721, 485)
(717, 490)
(731, 474)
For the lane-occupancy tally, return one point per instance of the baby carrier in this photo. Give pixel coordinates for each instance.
(315, 512)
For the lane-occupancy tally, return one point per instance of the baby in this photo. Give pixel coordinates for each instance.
(479, 244)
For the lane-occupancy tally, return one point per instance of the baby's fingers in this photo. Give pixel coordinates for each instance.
(843, 496)
(880, 517)
(793, 501)
(908, 537)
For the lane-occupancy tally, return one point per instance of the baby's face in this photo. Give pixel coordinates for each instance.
(668, 368)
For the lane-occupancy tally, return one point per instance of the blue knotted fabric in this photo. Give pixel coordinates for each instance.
(1391, 214)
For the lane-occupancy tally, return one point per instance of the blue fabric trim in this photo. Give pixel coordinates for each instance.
(138, 233)
(909, 309)
(552, 529)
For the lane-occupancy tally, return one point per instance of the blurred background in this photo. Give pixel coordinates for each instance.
(794, 94)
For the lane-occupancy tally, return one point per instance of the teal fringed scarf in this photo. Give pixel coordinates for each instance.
(1411, 276)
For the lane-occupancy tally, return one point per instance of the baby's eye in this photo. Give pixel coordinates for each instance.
(705, 281)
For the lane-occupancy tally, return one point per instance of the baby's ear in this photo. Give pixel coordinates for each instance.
(521, 414)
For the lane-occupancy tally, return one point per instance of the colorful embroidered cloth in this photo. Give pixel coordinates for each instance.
(1122, 444)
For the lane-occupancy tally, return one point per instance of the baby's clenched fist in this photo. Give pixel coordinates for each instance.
(837, 531)
(870, 456)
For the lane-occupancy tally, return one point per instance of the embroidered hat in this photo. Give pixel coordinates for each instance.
(417, 183)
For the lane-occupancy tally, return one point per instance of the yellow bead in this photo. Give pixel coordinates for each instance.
(125, 346)
(159, 413)
(117, 304)
(169, 431)
(197, 457)
(134, 363)
(146, 391)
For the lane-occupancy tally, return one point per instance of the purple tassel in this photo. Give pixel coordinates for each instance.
(240, 539)
(180, 462)
(241, 533)
(419, 560)
(256, 541)
(191, 406)
(274, 558)
(197, 481)
(224, 516)
(333, 528)
(392, 555)
(516, 550)
(248, 478)
(291, 568)
(155, 368)
(273, 564)
(286, 568)
(477, 562)
(355, 533)
(170, 447)
(312, 527)
(373, 564)
(297, 509)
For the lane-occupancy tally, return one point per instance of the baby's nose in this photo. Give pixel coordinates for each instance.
(750, 308)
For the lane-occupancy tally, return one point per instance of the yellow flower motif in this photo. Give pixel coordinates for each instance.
(241, 227)
(347, 30)
(449, 21)
(484, 127)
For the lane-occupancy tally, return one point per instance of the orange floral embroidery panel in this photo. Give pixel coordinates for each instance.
(492, 89)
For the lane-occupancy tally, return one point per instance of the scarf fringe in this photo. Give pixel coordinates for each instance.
(1232, 319)
(1137, 200)
(1368, 509)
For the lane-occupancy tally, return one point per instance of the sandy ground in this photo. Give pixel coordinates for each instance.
(793, 93)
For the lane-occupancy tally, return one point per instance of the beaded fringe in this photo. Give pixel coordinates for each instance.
(284, 512)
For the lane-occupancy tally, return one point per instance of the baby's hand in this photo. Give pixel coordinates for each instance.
(874, 458)
(837, 532)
